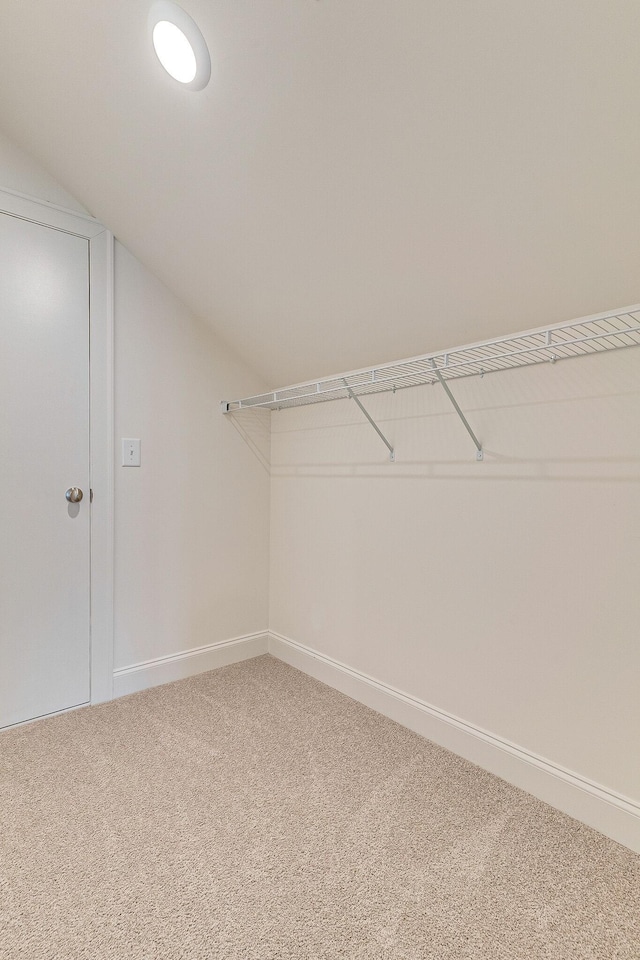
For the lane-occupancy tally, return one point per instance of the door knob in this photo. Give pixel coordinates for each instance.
(74, 494)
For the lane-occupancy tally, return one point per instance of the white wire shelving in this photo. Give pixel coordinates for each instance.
(588, 335)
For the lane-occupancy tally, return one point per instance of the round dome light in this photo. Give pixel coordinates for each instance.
(175, 53)
(179, 45)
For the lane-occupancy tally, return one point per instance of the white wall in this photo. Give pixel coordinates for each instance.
(505, 592)
(192, 523)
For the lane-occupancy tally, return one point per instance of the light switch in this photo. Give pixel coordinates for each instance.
(130, 452)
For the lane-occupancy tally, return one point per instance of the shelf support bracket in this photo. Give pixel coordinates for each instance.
(479, 451)
(392, 455)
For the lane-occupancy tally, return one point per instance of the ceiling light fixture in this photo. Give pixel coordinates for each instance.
(179, 44)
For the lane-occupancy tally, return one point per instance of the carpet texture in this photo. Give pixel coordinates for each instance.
(252, 812)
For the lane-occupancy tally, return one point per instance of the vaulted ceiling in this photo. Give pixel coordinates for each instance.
(362, 180)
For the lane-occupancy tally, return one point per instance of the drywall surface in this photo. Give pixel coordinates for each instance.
(19, 172)
(192, 522)
(504, 592)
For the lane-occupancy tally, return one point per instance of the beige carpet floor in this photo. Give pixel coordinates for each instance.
(252, 812)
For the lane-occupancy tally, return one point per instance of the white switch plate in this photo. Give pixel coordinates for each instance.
(130, 452)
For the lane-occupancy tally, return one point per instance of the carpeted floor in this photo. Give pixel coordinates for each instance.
(252, 812)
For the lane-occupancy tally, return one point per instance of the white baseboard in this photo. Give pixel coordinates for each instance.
(177, 666)
(608, 812)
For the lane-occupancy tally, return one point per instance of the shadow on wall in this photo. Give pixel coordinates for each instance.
(533, 425)
(496, 467)
(575, 439)
(254, 426)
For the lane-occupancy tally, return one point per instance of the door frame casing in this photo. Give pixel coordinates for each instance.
(101, 419)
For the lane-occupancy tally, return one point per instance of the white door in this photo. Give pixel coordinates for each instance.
(44, 451)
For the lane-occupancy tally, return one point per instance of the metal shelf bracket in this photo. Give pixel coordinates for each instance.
(479, 451)
(392, 455)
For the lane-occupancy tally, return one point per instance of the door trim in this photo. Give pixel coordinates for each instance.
(101, 418)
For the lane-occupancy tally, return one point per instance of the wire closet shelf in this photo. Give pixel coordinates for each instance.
(606, 331)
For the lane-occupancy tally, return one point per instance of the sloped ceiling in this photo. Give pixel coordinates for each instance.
(362, 180)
